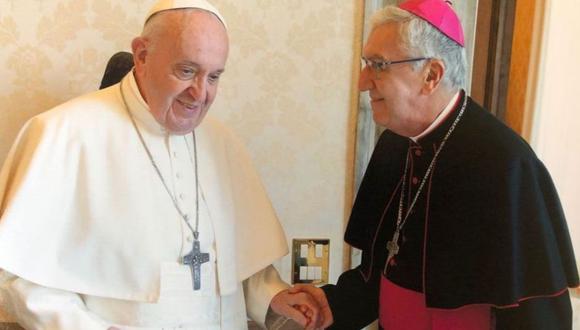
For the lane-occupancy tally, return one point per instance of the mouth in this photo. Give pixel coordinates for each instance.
(189, 106)
(375, 100)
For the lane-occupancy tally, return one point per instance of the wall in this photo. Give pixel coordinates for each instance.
(555, 135)
(286, 90)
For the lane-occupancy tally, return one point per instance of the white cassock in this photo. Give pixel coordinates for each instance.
(89, 238)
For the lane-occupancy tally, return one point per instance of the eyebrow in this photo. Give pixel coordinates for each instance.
(193, 64)
(375, 57)
(372, 54)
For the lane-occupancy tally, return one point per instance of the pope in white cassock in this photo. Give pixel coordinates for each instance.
(122, 209)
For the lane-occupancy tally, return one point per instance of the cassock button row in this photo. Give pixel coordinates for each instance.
(418, 152)
(415, 180)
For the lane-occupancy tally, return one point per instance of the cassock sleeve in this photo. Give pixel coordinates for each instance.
(37, 307)
(259, 289)
(353, 301)
(537, 314)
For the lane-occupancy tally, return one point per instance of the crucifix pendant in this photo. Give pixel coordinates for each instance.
(194, 259)
(393, 248)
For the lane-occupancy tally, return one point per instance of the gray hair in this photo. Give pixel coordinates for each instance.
(153, 29)
(420, 39)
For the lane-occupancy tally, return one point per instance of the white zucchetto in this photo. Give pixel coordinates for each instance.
(163, 5)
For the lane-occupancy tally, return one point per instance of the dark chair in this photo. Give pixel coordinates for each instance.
(117, 67)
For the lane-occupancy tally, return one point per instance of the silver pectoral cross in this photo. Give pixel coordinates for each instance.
(393, 248)
(194, 259)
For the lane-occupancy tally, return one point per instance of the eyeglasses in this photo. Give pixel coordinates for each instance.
(379, 66)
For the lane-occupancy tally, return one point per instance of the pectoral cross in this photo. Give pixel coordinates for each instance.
(393, 248)
(194, 259)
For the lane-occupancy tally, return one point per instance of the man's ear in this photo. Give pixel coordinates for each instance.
(434, 73)
(139, 48)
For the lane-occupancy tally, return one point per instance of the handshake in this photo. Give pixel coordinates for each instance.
(304, 304)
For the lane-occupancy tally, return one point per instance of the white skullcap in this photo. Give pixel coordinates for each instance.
(163, 5)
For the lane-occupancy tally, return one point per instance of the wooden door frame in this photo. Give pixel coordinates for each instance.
(506, 63)
(491, 61)
(525, 65)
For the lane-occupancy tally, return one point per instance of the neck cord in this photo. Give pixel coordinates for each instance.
(184, 216)
(400, 220)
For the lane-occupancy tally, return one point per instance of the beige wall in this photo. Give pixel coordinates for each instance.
(556, 134)
(287, 89)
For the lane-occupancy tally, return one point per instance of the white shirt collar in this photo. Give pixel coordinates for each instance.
(440, 118)
(138, 107)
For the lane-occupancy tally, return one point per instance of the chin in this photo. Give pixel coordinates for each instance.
(184, 126)
(379, 120)
(180, 130)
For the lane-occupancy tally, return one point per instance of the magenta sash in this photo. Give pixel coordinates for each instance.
(400, 308)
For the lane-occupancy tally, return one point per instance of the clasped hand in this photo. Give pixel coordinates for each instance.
(305, 304)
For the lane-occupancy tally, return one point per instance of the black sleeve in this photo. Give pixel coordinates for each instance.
(353, 301)
(546, 313)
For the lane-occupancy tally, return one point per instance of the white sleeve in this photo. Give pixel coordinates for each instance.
(37, 307)
(259, 289)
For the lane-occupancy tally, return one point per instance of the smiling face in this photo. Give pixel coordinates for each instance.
(396, 91)
(177, 67)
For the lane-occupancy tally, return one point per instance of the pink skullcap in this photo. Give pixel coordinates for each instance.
(439, 14)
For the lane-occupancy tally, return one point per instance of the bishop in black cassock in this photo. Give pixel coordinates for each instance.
(489, 228)
(482, 240)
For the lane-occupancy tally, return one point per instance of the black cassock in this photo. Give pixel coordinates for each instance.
(488, 228)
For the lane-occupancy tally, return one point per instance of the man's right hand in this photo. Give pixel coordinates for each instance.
(320, 297)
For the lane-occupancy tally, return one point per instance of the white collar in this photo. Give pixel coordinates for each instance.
(440, 117)
(138, 107)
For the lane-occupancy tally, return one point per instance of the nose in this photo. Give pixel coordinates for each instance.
(365, 80)
(198, 89)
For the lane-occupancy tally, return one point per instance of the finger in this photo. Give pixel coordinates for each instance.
(316, 292)
(295, 315)
(325, 318)
(311, 325)
(294, 289)
(305, 305)
(310, 315)
(303, 309)
(312, 305)
(301, 288)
